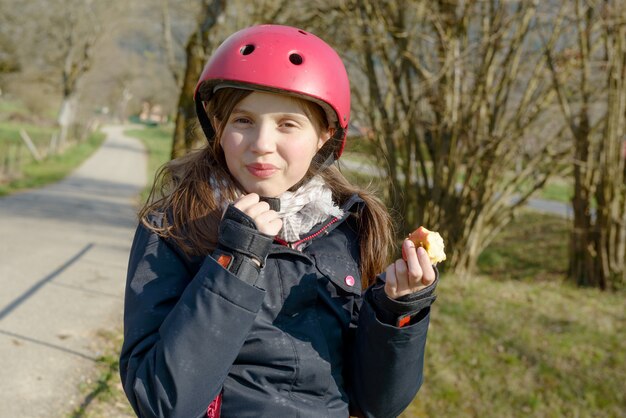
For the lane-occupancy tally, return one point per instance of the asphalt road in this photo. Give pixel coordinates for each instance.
(63, 257)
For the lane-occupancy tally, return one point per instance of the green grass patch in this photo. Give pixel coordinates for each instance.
(104, 397)
(518, 341)
(534, 246)
(558, 189)
(53, 168)
(8, 107)
(519, 349)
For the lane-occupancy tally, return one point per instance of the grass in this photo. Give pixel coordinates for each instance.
(105, 396)
(533, 248)
(518, 349)
(518, 341)
(558, 189)
(54, 168)
(11, 106)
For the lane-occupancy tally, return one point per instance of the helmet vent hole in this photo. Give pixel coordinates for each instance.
(247, 49)
(303, 32)
(296, 59)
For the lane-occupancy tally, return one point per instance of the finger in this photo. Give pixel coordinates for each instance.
(256, 210)
(414, 274)
(246, 201)
(390, 281)
(269, 223)
(429, 272)
(267, 215)
(272, 227)
(402, 282)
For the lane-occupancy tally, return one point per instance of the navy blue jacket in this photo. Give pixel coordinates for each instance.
(304, 342)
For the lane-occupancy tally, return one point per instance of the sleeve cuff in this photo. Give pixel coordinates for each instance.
(223, 283)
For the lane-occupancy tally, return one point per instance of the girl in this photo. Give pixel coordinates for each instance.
(257, 284)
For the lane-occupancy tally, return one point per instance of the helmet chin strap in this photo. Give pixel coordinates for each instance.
(205, 123)
(327, 155)
(274, 202)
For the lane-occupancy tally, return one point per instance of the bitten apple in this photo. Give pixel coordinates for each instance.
(431, 241)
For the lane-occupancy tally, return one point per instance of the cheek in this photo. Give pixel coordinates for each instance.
(231, 146)
(299, 158)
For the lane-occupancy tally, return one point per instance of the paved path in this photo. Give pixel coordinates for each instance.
(63, 256)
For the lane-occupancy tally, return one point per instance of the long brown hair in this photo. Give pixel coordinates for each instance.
(191, 192)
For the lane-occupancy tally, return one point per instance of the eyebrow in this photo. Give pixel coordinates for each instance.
(302, 116)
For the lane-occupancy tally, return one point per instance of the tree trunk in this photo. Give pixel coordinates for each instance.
(611, 190)
(598, 238)
(186, 122)
(166, 27)
(186, 132)
(583, 269)
(67, 117)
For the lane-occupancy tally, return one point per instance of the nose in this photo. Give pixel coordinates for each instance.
(263, 141)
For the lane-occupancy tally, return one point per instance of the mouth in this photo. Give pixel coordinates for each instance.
(262, 170)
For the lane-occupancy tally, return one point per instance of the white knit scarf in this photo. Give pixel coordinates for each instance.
(306, 207)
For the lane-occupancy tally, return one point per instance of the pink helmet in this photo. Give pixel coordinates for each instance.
(280, 59)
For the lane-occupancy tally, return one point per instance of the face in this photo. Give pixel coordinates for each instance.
(269, 142)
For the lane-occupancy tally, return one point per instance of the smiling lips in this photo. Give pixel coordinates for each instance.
(262, 170)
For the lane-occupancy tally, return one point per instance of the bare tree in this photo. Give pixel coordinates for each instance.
(76, 26)
(594, 110)
(455, 95)
(176, 16)
(168, 43)
(55, 46)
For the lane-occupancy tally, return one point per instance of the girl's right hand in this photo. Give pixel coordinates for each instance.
(409, 274)
(266, 219)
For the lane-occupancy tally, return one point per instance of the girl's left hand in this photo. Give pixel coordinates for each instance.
(411, 274)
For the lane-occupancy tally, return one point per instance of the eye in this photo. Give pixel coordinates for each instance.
(289, 124)
(241, 120)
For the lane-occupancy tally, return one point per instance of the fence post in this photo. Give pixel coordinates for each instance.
(31, 147)
(5, 160)
(18, 158)
(54, 139)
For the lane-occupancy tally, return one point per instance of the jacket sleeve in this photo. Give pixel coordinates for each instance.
(182, 330)
(387, 371)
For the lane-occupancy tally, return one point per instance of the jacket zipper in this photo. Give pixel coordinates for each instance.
(310, 237)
